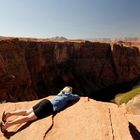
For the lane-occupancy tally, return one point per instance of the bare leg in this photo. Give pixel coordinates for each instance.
(19, 112)
(20, 120)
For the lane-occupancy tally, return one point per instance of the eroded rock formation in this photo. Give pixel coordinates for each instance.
(85, 120)
(41, 68)
(133, 106)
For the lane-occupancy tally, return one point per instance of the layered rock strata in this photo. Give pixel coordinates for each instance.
(32, 69)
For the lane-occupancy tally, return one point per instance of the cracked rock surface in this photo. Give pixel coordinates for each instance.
(85, 120)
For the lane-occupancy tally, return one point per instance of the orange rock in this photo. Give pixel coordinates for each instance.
(85, 120)
(133, 106)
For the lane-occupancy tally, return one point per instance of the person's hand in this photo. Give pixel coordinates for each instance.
(61, 93)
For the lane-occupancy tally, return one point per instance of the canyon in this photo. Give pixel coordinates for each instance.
(35, 68)
(31, 69)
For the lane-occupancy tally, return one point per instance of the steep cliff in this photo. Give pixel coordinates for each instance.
(32, 69)
(85, 120)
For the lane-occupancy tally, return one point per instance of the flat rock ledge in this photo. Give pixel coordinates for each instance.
(85, 120)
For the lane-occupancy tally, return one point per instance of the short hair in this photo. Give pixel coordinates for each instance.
(66, 89)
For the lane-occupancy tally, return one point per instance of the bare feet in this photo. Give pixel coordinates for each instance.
(5, 116)
(3, 129)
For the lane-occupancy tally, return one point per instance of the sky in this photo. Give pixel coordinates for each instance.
(73, 19)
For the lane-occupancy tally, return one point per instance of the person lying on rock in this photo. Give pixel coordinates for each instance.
(42, 109)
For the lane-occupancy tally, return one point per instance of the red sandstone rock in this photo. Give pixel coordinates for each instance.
(85, 120)
(44, 67)
(126, 63)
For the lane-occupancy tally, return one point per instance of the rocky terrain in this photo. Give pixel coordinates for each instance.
(32, 68)
(85, 120)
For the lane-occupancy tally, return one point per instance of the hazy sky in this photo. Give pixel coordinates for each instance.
(70, 18)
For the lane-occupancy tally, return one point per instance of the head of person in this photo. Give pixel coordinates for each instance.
(66, 89)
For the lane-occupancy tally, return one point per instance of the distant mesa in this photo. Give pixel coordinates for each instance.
(58, 38)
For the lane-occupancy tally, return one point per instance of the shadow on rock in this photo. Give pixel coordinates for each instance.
(134, 132)
(10, 134)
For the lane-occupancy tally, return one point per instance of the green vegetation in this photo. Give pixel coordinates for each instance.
(125, 97)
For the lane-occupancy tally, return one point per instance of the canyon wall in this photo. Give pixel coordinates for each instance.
(32, 69)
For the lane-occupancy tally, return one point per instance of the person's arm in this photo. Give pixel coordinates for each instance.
(74, 97)
(60, 93)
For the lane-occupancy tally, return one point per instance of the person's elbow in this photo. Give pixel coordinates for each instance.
(76, 97)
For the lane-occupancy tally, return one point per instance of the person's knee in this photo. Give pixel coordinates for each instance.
(31, 117)
(29, 111)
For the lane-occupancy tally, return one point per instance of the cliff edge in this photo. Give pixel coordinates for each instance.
(85, 120)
